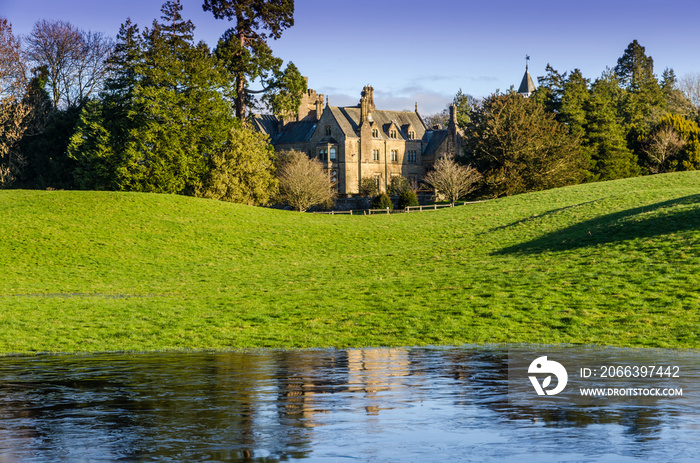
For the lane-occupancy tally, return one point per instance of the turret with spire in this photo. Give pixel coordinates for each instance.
(527, 86)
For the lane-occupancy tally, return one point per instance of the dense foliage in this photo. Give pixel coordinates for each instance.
(623, 124)
(163, 120)
(173, 117)
(620, 115)
(155, 111)
(408, 198)
(518, 147)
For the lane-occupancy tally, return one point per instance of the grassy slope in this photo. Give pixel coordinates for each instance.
(614, 263)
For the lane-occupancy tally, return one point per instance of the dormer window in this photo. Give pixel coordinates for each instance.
(375, 133)
(411, 135)
(392, 134)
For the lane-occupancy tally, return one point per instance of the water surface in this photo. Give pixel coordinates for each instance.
(422, 405)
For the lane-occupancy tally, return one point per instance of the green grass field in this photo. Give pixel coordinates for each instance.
(612, 263)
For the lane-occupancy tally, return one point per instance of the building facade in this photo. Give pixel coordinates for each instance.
(358, 142)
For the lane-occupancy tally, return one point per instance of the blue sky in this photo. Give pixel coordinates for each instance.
(418, 51)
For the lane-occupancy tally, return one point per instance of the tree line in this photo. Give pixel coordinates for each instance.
(625, 123)
(154, 111)
(151, 111)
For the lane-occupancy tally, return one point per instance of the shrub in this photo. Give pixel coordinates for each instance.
(382, 202)
(408, 198)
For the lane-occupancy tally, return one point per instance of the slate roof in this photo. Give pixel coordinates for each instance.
(527, 86)
(348, 119)
(435, 139)
(266, 124)
(293, 132)
(296, 132)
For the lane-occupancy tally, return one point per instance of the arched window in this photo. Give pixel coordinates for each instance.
(332, 153)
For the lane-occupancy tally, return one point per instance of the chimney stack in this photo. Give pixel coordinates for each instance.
(366, 103)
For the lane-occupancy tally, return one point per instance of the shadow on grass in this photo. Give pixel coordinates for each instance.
(640, 222)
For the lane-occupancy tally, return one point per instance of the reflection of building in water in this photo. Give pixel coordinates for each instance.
(308, 375)
(376, 370)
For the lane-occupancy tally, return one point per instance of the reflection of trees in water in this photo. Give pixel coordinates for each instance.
(171, 407)
(483, 377)
(260, 406)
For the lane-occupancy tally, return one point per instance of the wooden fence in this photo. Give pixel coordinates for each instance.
(431, 207)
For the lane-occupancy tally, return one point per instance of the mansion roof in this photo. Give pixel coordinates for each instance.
(348, 118)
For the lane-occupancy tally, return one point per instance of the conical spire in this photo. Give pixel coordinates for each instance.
(527, 86)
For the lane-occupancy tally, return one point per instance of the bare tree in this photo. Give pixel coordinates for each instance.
(13, 110)
(438, 120)
(451, 179)
(689, 84)
(303, 181)
(75, 60)
(662, 146)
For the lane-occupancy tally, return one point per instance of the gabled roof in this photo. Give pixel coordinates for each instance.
(348, 119)
(527, 86)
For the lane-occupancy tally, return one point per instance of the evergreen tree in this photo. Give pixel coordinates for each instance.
(285, 97)
(675, 100)
(518, 146)
(463, 103)
(642, 103)
(98, 161)
(162, 116)
(606, 135)
(108, 129)
(244, 52)
(575, 96)
(550, 90)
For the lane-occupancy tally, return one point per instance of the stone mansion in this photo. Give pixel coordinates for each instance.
(357, 142)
